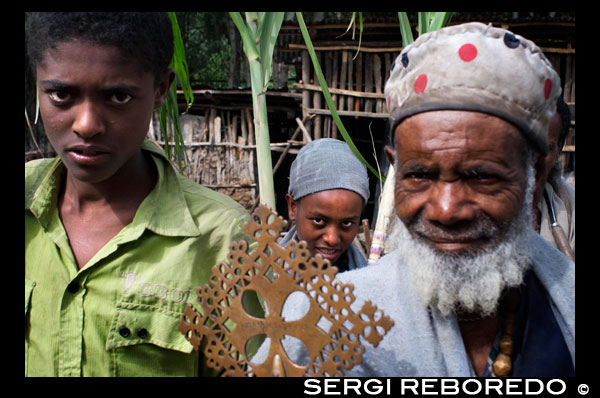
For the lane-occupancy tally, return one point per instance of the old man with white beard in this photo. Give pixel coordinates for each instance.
(472, 289)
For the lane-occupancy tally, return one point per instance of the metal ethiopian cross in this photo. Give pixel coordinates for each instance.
(273, 273)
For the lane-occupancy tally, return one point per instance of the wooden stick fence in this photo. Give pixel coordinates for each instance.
(221, 149)
(355, 81)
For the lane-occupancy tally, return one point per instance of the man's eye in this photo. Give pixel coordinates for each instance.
(478, 175)
(120, 98)
(59, 96)
(318, 221)
(417, 175)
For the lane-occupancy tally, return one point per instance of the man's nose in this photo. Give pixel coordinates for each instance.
(449, 203)
(88, 120)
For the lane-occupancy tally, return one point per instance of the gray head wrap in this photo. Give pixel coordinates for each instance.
(326, 164)
(476, 67)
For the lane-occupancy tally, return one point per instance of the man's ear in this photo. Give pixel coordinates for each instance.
(291, 207)
(390, 152)
(162, 89)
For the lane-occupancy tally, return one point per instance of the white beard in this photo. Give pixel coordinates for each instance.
(471, 282)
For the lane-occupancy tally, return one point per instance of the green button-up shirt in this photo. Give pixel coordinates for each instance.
(118, 315)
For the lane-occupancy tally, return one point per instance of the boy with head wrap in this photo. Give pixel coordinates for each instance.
(328, 190)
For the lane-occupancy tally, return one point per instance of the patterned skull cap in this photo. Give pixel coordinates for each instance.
(325, 164)
(476, 67)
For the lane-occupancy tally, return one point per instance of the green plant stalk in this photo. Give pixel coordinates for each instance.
(254, 32)
(328, 98)
(263, 142)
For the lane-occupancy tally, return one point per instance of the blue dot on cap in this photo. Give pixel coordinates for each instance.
(511, 41)
(405, 60)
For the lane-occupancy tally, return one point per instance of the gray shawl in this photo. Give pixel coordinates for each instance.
(425, 343)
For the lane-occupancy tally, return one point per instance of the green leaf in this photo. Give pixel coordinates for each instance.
(439, 20)
(247, 36)
(327, 95)
(179, 62)
(169, 111)
(269, 31)
(350, 25)
(405, 30)
(423, 25)
(253, 19)
(360, 21)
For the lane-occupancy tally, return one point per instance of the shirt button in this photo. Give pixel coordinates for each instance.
(73, 287)
(124, 331)
(142, 333)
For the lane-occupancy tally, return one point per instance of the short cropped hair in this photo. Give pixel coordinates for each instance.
(145, 37)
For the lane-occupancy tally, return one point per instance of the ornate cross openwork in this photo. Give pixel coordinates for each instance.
(273, 273)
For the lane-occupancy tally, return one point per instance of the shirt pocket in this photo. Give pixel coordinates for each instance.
(143, 340)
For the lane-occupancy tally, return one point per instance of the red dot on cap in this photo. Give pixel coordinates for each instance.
(420, 83)
(547, 88)
(467, 52)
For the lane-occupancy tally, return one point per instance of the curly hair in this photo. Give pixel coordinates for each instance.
(145, 37)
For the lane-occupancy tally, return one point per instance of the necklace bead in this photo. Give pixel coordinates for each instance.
(502, 366)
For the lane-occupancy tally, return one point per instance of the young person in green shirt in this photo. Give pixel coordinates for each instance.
(115, 240)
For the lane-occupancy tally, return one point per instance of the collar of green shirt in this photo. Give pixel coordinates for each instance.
(164, 211)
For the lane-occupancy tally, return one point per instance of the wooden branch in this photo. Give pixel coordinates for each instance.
(306, 80)
(368, 103)
(289, 143)
(201, 144)
(343, 75)
(301, 125)
(350, 85)
(228, 186)
(240, 92)
(348, 113)
(359, 79)
(317, 128)
(558, 50)
(294, 46)
(353, 93)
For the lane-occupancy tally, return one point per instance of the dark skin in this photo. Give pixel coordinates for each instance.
(96, 106)
(454, 166)
(327, 220)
